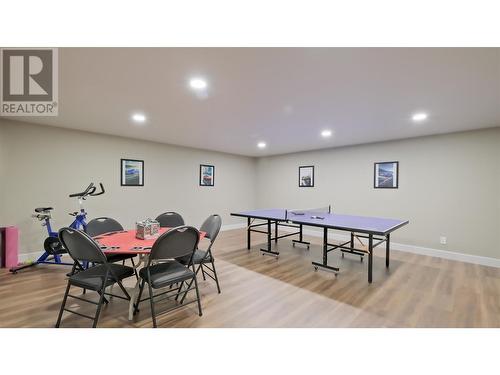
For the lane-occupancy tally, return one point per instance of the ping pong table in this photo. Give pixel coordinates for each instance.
(376, 230)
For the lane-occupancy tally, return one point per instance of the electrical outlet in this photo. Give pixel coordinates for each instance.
(442, 240)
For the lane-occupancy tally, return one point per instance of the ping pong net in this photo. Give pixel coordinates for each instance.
(316, 213)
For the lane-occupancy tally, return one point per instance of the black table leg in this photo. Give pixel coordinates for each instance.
(268, 250)
(276, 231)
(387, 249)
(300, 240)
(370, 257)
(269, 235)
(325, 246)
(325, 265)
(352, 249)
(248, 233)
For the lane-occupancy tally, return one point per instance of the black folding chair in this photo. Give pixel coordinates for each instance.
(82, 248)
(170, 220)
(164, 271)
(102, 225)
(203, 258)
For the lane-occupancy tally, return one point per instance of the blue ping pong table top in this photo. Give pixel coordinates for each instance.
(366, 224)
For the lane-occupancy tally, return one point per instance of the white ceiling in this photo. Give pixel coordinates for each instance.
(283, 96)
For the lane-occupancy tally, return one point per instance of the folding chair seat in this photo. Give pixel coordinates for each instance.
(165, 274)
(93, 277)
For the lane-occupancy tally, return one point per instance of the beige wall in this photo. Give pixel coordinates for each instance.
(45, 164)
(449, 185)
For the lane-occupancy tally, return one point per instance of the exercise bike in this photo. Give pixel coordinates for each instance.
(53, 248)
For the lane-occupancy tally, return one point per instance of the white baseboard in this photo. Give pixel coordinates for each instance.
(28, 257)
(31, 257)
(444, 254)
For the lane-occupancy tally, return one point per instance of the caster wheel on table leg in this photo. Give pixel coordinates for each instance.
(315, 269)
(293, 244)
(361, 259)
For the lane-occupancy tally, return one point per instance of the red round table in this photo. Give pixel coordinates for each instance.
(125, 242)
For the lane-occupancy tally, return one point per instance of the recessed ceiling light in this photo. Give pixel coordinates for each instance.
(326, 133)
(261, 145)
(139, 117)
(198, 84)
(419, 117)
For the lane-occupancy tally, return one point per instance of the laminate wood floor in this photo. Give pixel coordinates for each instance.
(261, 291)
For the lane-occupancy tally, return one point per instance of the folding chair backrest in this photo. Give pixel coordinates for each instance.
(211, 226)
(80, 246)
(102, 225)
(177, 242)
(170, 220)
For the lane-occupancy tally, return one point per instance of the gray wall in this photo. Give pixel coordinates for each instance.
(449, 185)
(45, 164)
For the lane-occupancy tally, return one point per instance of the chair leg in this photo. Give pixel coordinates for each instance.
(179, 291)
(215, 275)
(62, 305)
(123, 289)
(104, 299)
(135, 269)
(187, 290)
(98, 312)
(110, 291)
(136, 308)
(73, 269)
(152, 305)
(203, 272)
(197, 295)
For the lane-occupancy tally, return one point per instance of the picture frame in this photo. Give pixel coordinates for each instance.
(386, 175)
(306, 176)
(207, 175)
(131, 172)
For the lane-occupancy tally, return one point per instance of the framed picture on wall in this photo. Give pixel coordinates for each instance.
(306, 176)
(386, 175)
(207, 175)
(132, 172)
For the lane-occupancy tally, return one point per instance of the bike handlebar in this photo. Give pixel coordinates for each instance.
(90, 190)
(83, 193)
(94, 194)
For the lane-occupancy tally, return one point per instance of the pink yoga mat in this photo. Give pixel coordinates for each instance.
(11, 246)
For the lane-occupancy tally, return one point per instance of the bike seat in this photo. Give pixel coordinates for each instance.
(43, 209)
